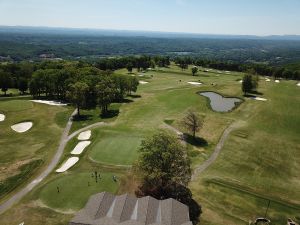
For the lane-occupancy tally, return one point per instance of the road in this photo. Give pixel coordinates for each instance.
(20, 194)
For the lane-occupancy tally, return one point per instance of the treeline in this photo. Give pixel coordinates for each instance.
(259, 69)
(77, 82)
(139, 62)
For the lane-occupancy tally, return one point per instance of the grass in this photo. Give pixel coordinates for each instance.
(66, 199)
(116, 148)
(10, 183)
(19, 149)
(259, 161)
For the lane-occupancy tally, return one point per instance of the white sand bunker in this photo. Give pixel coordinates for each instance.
(241, 81)
(143, 82)
(259, 98)
(68, 164)
(268, 80)
(55, 103)
(85, 135)
(80, 147)
(195, 83)
(277, 81)
(298, 84)
(22, 127)
(2, 117)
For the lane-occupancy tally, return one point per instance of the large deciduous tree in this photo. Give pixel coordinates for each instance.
(106, 92)
(165, 171)
(192, 122)
(194, 70)
(5, 81)
(23, 85)
(250, 83)
(77, 94)
(163, 161)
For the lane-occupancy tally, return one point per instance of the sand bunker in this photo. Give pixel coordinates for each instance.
(259, 98)
(56, 103)
(85, 135)
(143, 82)
(241, 81)
(277, 81)
(68, 164)
(80, 147)
(2, 117)
(195, 83)
(298, 84)
(22, 127)
(268, 80)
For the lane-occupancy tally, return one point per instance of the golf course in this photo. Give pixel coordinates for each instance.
(257, 162)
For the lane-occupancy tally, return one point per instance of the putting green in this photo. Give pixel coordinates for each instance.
(75, 189)
(118, 148)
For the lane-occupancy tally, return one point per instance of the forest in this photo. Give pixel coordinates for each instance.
(16, 45)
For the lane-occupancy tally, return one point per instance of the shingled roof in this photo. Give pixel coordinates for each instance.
(107, 209)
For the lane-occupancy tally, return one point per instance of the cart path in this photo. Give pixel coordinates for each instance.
(55, 160)
(202, 167)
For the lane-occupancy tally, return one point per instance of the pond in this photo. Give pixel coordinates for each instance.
(219, 103)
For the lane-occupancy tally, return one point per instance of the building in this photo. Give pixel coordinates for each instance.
(107, 209)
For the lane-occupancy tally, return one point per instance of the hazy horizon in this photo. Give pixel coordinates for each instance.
(216, 17)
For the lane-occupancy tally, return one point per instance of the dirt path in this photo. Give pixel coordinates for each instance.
(199, 169)
(20, 194)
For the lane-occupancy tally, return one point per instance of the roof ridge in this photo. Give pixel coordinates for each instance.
(99, 206)
(122, 210)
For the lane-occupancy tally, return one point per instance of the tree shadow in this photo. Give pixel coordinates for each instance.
(110, 114)
(82, 117)
(135, 96)
(197, 141)
(125, 100)
(252, 93)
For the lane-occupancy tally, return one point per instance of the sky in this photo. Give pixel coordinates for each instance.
(245, 17)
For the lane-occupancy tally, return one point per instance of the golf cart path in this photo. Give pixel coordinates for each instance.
(94, 125)
(20, 194)
(202, 167)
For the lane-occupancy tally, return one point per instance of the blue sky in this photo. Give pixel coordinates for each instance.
(259, 17)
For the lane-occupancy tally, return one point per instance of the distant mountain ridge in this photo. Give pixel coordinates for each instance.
(129, 33)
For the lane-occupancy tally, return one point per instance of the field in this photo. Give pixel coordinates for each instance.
(259, 162)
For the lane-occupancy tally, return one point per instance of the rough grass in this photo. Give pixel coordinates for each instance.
(40, 142)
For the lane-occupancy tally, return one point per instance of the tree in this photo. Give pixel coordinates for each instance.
(76, 94)
(247, 84)
(106, 92)
(194, 70)
(5, 81)
(165, 170)
(23, 85)
(129, 67)
(163, 161)
(192, 122)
